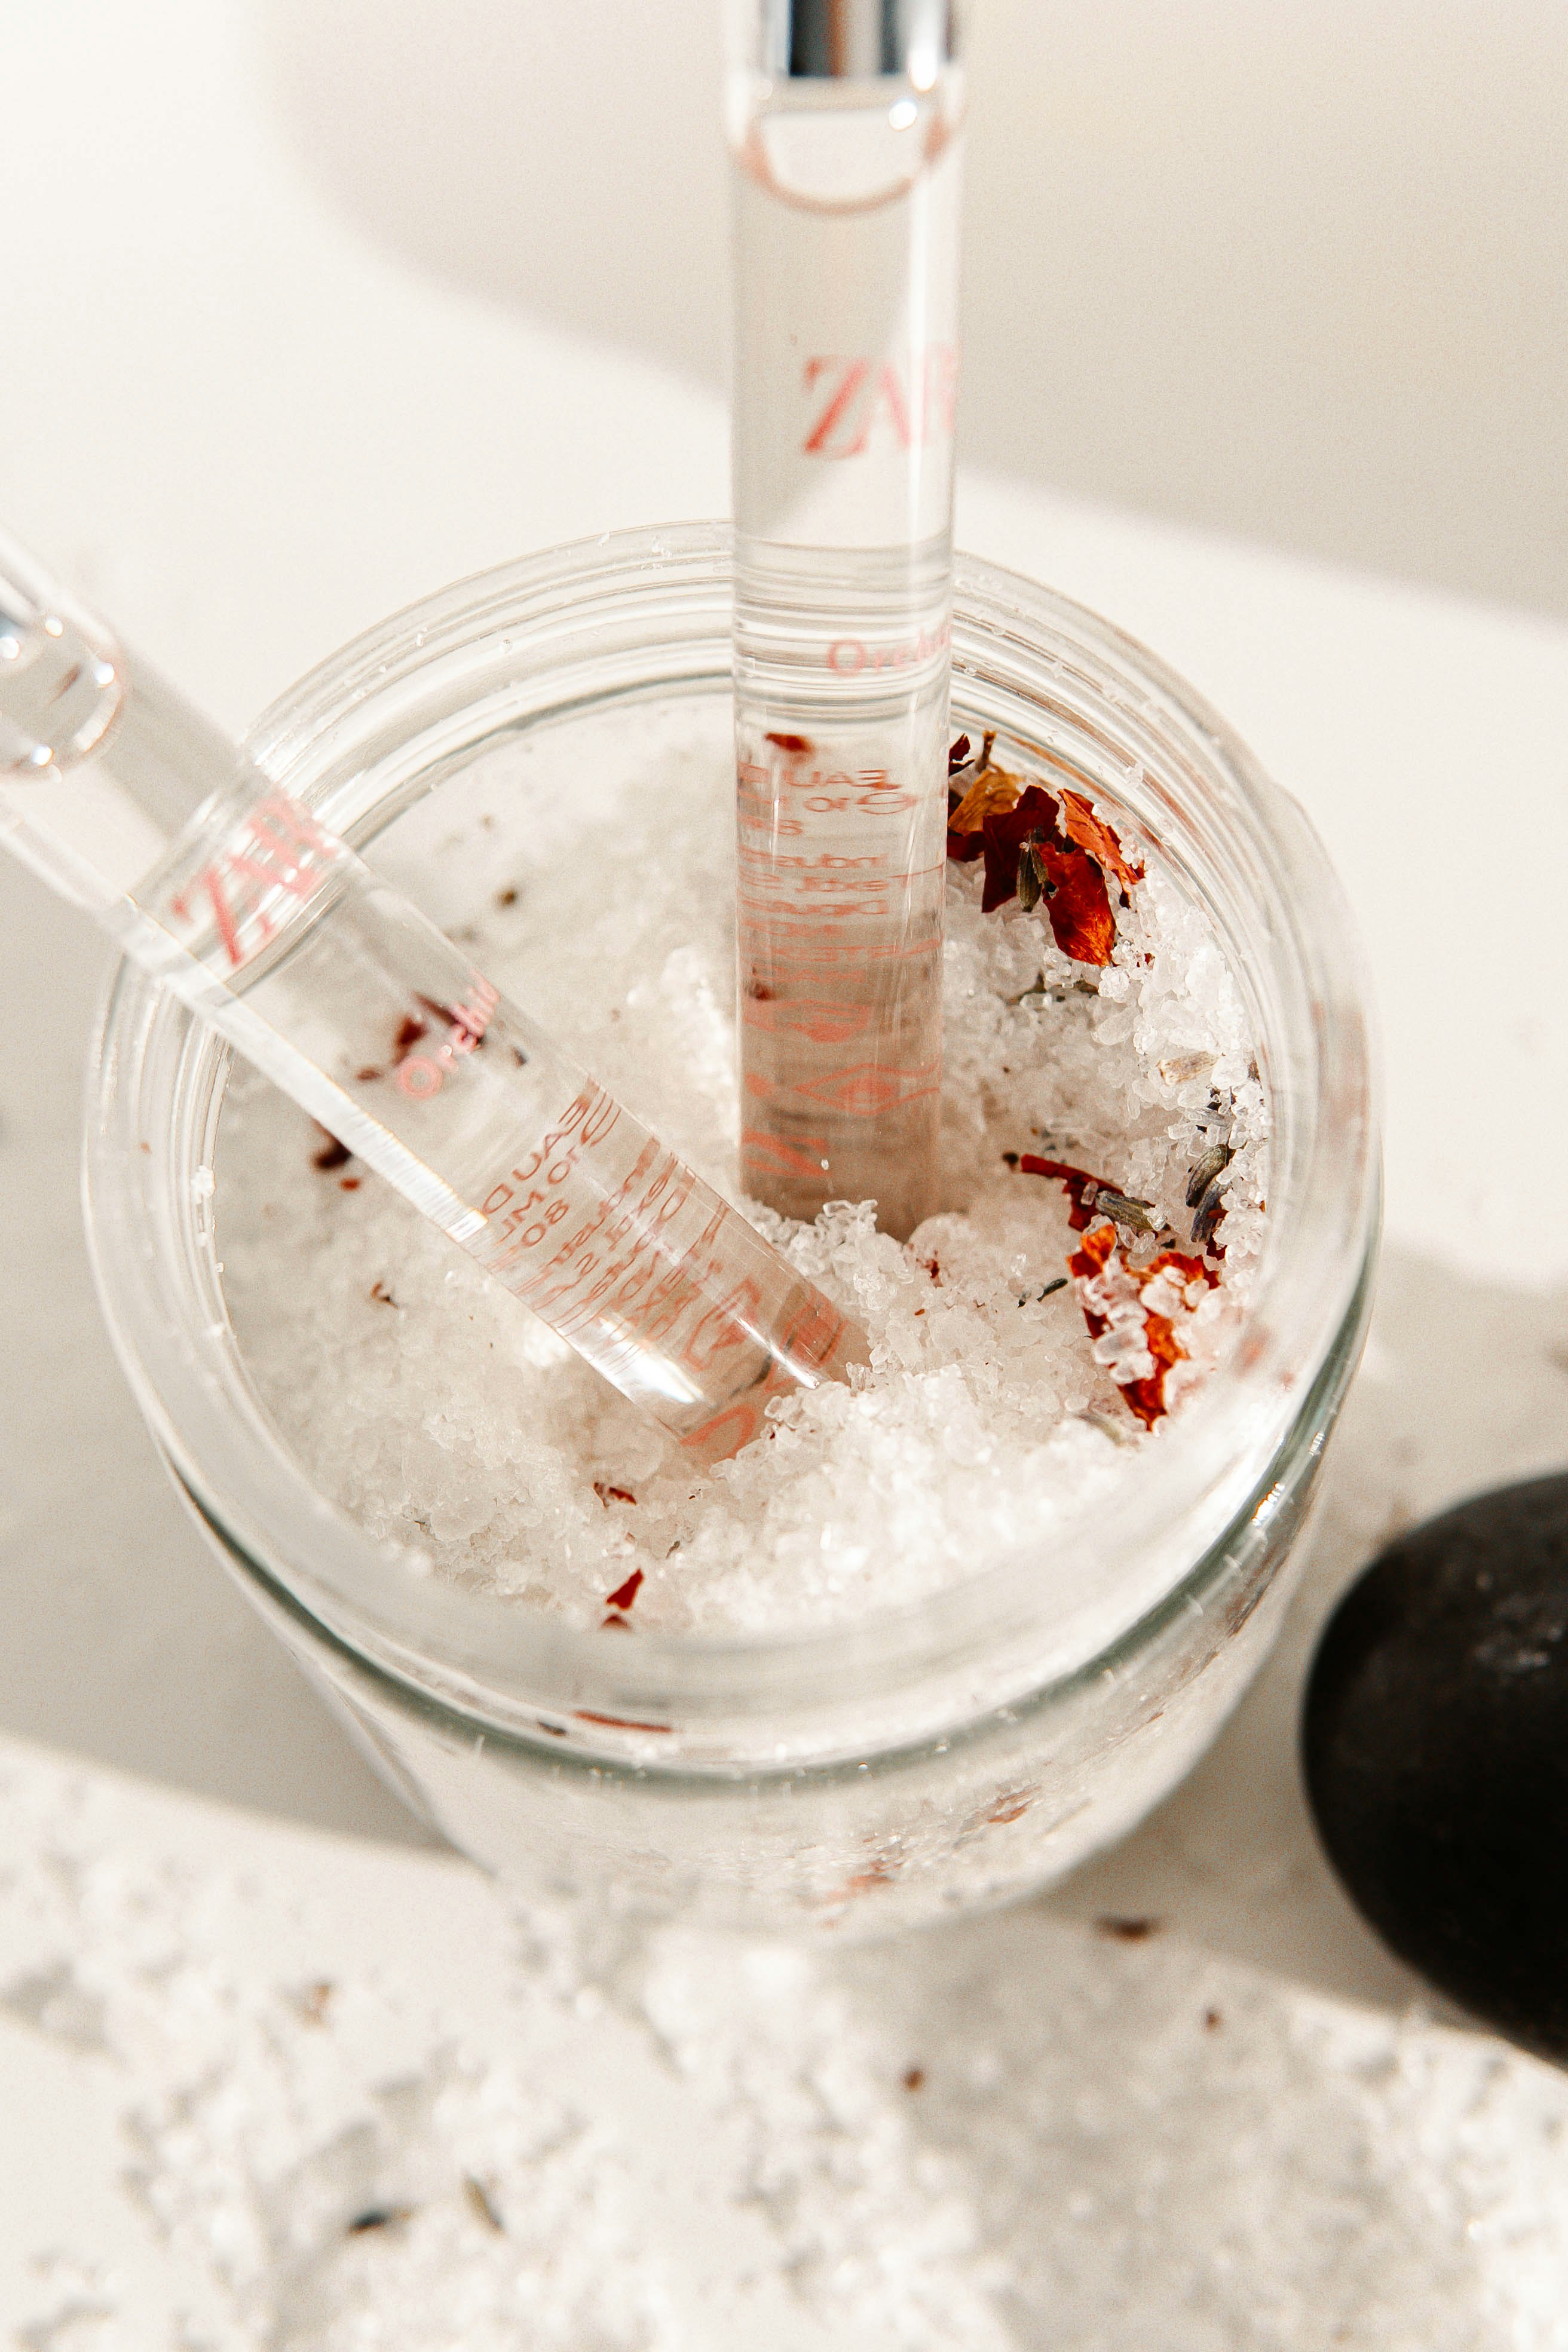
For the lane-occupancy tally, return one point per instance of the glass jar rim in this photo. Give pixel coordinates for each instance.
(407, 685)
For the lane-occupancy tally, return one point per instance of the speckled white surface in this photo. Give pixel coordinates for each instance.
(284, 2095)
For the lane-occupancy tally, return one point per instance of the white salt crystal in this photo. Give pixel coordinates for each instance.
(599, 893)
(323, 2128)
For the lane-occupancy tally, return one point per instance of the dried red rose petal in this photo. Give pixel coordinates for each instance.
(1082, 1187)
(1098, 1249)
(614, 1722)
(995, 794)
(1191, 1269)
(1006, 826)
(1145, 1397)
(1091, 832)
(332, 1154)
(1002, 819)
(1078, 907)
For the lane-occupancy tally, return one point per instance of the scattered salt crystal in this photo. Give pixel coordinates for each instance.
(323, 2128)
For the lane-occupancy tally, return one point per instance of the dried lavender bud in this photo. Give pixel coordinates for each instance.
(482, 2205)
(1106, 1426)
(1210, 1208)
(1215, 1161)
(1124, 1210)
(378, 2217)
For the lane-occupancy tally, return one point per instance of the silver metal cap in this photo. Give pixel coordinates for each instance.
(851, 39)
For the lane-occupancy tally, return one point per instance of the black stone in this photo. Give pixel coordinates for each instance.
(1434, 1740)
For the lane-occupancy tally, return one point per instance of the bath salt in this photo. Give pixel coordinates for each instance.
(1055, 1319)
(327, 2097)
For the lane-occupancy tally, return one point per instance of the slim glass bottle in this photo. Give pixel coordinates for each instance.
(231, 894)
(845, 121)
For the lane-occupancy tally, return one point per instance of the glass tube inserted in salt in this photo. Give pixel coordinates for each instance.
(231, 894)
(845, 121)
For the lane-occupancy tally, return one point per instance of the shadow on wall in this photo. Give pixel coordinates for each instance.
(1297, 274)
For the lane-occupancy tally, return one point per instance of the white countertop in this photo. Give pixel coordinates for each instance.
(249, 434)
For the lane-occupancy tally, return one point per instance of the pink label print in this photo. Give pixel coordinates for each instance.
(818, 792)
(628, 1254)
(425, 1074)
(856, 405)
(852, 657)
(279, 852)
(581, 1238)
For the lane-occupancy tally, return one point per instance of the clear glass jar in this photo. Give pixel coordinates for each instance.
(929, 1758)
